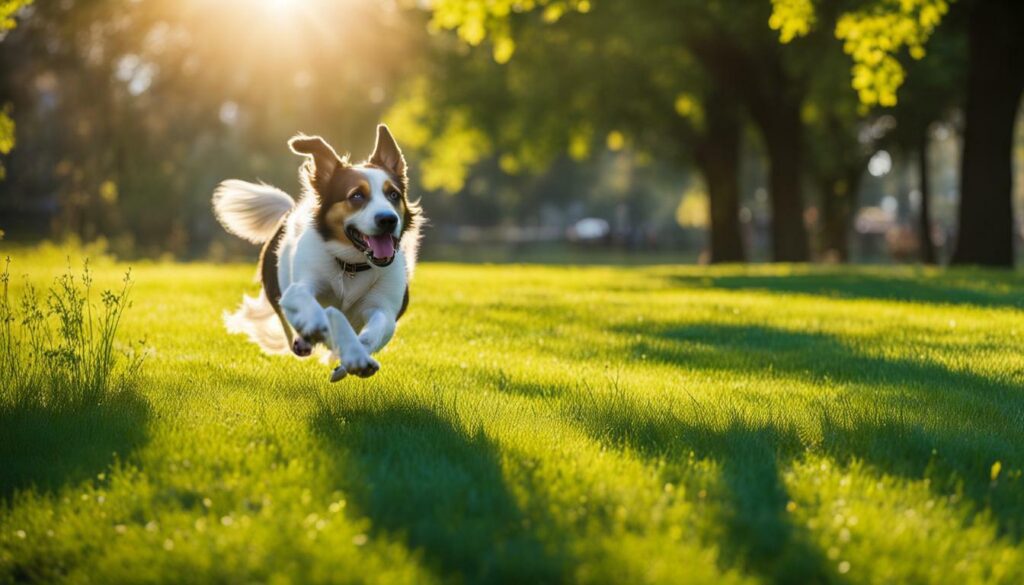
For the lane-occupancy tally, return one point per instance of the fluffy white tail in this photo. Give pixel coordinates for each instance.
(250, 211)
(257, 319)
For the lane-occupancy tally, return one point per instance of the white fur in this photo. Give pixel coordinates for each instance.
(322, 302)
(257, 319)
(250, 211)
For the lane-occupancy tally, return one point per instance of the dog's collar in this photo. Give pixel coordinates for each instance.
(350, 269)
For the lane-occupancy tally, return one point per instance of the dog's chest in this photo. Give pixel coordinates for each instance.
(344, 290)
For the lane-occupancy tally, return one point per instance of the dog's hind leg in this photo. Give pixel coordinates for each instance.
(300, 346)
(272, 287)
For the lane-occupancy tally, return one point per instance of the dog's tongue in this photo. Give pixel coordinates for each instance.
(382, 246)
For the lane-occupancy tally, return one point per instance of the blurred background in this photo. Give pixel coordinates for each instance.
(562, 130)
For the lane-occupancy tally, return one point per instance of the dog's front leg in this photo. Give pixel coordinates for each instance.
(380, 327)
(305, 314)
(355, 359)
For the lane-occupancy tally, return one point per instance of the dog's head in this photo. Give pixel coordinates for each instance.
(364, 205)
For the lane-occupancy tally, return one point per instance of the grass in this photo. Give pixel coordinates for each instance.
(547, 424)
(58, 349)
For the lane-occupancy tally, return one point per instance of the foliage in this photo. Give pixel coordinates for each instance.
(527, 109)
(446, 151)
(792, 18)
(8, 8)
(639, 77)
(693, 208)
(874, 34)
(477, 20)
(604, 424)
(602, 79)
(62, 350)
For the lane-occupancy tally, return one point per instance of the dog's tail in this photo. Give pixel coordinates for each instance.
(250, 211)
(257, 319)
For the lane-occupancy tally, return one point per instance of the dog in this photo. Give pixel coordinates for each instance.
(336, 261)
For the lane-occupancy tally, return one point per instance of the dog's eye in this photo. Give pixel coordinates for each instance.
(394, 195)
(357, 196)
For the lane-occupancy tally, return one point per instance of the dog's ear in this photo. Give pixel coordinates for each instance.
(323, 161)
(387, 154)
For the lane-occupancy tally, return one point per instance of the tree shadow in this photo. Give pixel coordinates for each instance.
(957, 462)
(816, 357)
(759, 535)
(910, 415)
(908, 421)
(439, 488)
(966, 287)
(46, 446)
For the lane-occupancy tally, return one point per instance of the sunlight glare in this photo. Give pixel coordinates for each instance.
(280, 6)
(286, 18)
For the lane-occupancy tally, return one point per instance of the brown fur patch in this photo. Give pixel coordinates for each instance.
(405, 303)
(268, 276)
(335, 204)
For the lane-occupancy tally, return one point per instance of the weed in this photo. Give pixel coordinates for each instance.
(63, 350)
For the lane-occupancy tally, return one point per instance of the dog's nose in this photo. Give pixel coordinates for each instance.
(386, 221)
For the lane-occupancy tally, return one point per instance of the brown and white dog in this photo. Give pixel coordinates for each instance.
(336, 261)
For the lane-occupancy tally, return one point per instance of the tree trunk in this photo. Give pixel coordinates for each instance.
(783, 135)
(718, 157)
(994, 83)
(924, 227)
(837, 198)
(774, 99)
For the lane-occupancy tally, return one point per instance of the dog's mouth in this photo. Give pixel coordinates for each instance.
(379, 249)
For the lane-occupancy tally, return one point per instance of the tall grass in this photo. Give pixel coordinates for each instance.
(62, 348)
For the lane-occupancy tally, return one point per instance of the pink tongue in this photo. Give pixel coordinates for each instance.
(382, 246)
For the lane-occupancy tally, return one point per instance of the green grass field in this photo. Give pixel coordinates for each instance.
(536, 424)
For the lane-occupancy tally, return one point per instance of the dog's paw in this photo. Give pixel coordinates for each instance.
(301, 347)
(312, 327)
(359, 362)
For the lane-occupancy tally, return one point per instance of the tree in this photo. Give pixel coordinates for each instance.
(728, 42)
(844, 140)
(877, 32)
(773, 95)
(8, 8)
(995, 80)
(612, 78)
(932, 92)
(717, 154)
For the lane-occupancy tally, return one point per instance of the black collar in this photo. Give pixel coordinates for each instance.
(349, 269)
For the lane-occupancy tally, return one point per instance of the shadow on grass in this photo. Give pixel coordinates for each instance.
(909, 417)
(437, 487)
(48, 446)
(759, 535)
(902, 417)
(819, 357)
(960, 288)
